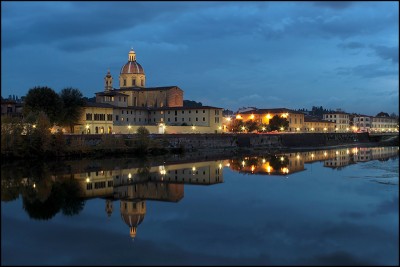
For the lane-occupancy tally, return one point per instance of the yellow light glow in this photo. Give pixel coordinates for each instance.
(228, 119)
(263, 160)
(129, 127)
(297, 129)
(243, 163)
(87, 180)
(312, 155)
(337, 152)
(34, 185)
(282, 129)
(282, 158)
(220, 166)
(347, 151)
(87, 126)
(220, 128)
(129, 175)
(193, 168)
(34, 126)
(252, 116)
(193, 127)
(298, 156)
(269, 168)
(312, 129)
(252, 168)
(268, 116)
(325, 154)
(325, 129)
(263, 128)
(238, 117)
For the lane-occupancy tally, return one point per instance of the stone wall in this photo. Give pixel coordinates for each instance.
(214, 141)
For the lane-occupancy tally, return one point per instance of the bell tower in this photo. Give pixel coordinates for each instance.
(108, 82)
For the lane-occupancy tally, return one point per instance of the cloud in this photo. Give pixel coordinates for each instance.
(368, 71)
(351, 45)
(387, 53)
(333, 4)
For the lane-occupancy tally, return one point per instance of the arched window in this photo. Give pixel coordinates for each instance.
(97, 129)
(124, 82)
(142, 82)
(133, 82)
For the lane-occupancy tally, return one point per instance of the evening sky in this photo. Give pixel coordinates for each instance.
(225, 54)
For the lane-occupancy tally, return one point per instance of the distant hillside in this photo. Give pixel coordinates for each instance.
(191, 104)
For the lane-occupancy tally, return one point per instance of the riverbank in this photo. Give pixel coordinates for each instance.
(100, 146)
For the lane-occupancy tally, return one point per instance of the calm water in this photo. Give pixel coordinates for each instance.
(326, 207)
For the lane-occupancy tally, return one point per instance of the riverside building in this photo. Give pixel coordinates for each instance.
(159, 109)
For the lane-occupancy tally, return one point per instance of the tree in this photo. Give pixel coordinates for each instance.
(276, 123)
(43, 99)
(143, 139)
(236, 125)
(73, 103)
(251, 126)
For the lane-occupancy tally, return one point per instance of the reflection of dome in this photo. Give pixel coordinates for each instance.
(132, 213)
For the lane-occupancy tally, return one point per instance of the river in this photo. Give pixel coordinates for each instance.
(323, 207)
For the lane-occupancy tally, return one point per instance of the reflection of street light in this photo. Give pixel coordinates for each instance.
(263, 129)
(282, 128)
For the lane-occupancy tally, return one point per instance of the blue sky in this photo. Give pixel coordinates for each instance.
(226, 54)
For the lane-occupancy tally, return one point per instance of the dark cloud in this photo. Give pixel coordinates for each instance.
(387, 53)
(333, 4)
(351, 45)
(338, 258)
(368, 71)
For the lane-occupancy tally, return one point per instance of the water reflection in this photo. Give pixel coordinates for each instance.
(47, 190)
(288, 163)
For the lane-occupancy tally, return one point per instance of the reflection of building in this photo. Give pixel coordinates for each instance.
(342, 158)
(133, 186)
(375, 153)
(132, 213)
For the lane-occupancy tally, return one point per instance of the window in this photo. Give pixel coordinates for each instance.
(197, 111)
(133, 82)
(142, 82)
(183, 119)
(116, 117)
(124, 98)
(124, 82)
(204, 118)
(119, 99)
(190, 111)
(161, 112)
(197, 119)
(176, 112)
(204, 111)
(183, 112)
(176, 119)
(122, 111)
(89, 116)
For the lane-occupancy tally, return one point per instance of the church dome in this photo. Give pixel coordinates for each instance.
(132, 67)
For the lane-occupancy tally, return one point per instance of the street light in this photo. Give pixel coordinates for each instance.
(129, 128)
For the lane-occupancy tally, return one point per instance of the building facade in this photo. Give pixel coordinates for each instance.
(295, 119)
(341, 120)
(123, 110)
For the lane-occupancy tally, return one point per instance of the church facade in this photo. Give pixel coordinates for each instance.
(159, 109)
